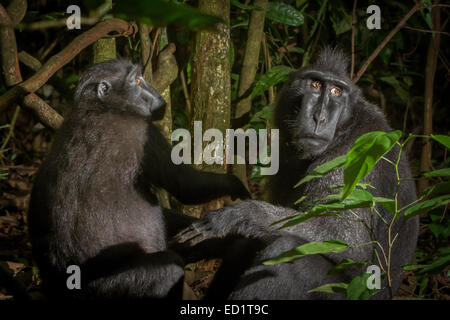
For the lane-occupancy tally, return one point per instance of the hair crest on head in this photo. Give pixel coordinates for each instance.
(332, 59)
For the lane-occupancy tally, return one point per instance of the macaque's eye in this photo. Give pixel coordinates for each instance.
(316, 84)
(336, 91)
(138, 81)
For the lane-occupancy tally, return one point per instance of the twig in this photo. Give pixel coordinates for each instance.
(11, 130)
(39, 25)
(268, 67)
(430, 31)
(380, 47)
(56, 81)
(186, 93)
(63, 57)
(47, 50)
(430, 73)
(155, 39)
(320, 16)
(352, 70)
(10, 66)
(144, 35)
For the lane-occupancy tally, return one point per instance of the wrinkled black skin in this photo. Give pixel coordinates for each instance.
(91, 203)
(311, 133)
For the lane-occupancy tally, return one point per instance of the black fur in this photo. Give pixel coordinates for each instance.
(91, 203)
(298, 157)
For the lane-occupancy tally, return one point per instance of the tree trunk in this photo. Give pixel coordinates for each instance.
(210, 77)
(165, 73)
(104, 49)
(166, 68)
(430, 71)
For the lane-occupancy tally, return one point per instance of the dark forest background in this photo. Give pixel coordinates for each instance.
(243, 54)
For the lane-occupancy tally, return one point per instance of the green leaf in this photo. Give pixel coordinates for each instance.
(323, 169)
(344, 24)
(397, 85)
(303, 217)
(272, 77)
(345, 264)
(331, 288)
(413, 267)
(439, 230)
(358, 199)
(442, 139)
(73, 78)
(236, 3)
(308, 249)
(264, 114)
(437, 266)
(427, 205)
(364, 154)
(439, 188)
(299, 200)
(388, 204)
(423, 285)
(162, 13)
(256, 172)
(284, 13)
(357, 288)
(438, 173)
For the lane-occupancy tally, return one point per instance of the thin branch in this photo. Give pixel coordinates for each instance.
(62, 58)
(56, 81)
(352, 70)
(10, 63)
(10, 131)
(146, 47)
(46, 24)
(44, 53)
(186, 94)
(380, 47)
(251, 55)
(429, 31)
(430, 73)
(155, 39)
(270, 91)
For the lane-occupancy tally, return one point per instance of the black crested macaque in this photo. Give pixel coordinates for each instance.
(320, 113)
(91, 203)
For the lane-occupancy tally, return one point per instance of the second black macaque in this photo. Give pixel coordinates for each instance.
(91, 203)
(320, 113)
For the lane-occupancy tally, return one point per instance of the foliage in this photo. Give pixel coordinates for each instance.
(359, 161)
(294, 32)
(162, 13)
(285, 14)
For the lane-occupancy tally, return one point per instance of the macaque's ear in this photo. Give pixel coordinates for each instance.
(103, 89)
(134, 73)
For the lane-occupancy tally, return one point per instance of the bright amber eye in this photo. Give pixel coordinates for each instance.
(335, 91)
(316, 84)
(138, 81)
